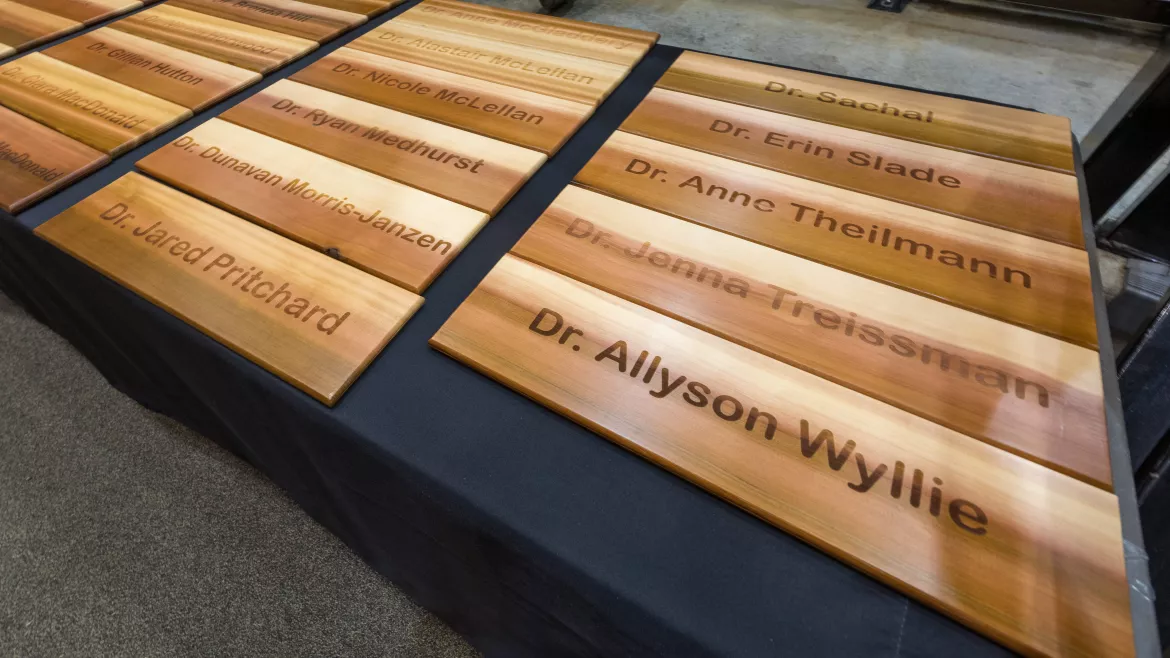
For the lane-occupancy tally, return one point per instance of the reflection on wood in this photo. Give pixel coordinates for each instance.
(228, 41)
(83, 11)
(1021, 279)
(364, 7)
(564, 76)
(108, 116)
(1027, 555)
(35, 160)
(388, 229)
(305, 317)
(292, 17)
(1033, 395)
(604, 42)
(514, 115)
(23, 27)
(982, 128)
(181, 77)
(1020, 198)
(467, 168)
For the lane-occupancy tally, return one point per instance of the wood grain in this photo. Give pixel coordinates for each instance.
(564, 76)
(35, 161)
(1027, 555)
(1019, 198)
(364, 7)
(206, 266)
(181, 77)
(292, 17)
(83, 11)
(514, 115)
(227, 41)
(1033, 395)
(108, 116)
(604, 42)
(1024, 280)
(391, 230)
(23, 27)
(6, 50)
(982, 128)
(470, 169)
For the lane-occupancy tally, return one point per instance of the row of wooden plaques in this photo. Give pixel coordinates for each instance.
(861, 313)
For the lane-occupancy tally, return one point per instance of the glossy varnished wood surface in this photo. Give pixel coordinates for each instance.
(242, 45)
(1033, 395)
(388, 229)
(299, 19)
(364, 7)
(982, 128)
(573, 78)
(1024, 280)
(1016, 197)
(470, 169)
(22, 26)
(604, 42)
(83, 11)
(151, 238)
(514, 115)
(1043, 571)
(176, 75)
(108, 116)
(35, 160)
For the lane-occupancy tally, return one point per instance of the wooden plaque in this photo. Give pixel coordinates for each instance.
(364, 7)
(467, 168)
(253, 48)
(1027, 555)
(23, 27)
(1016, 197)
(604, 42)
(299, 19)
(83, 11)
(1027, 393)
(1024, 280)
(514, 115)
(573, 78)
(108, 116)
(305, 317)
(388, 229)
(981, 128)
(35, 161)
(181, 77)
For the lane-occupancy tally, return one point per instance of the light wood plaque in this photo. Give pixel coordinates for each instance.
(83, 11)
(305, 317)
(181, 77)
(1027, 555)
(23, 27)
(514, 115)
(242, 45)
(388, 229)
(108, 116)
(982, 128)
(35, 161)
(1016, 197)
(546, 72)
(299, 19)
(1024, 280)
(455, 164)
(364, 7)
(1030, 394)
(593, 40)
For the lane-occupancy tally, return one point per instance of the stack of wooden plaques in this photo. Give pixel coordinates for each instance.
(861, 313)
(28, 23)
(104, 92)
(334, 161)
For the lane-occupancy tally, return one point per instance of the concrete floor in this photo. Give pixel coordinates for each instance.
(122, 533)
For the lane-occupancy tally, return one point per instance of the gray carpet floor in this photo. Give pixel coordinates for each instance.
(123, 533)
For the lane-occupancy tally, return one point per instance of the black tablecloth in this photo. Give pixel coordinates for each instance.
(527, 533)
